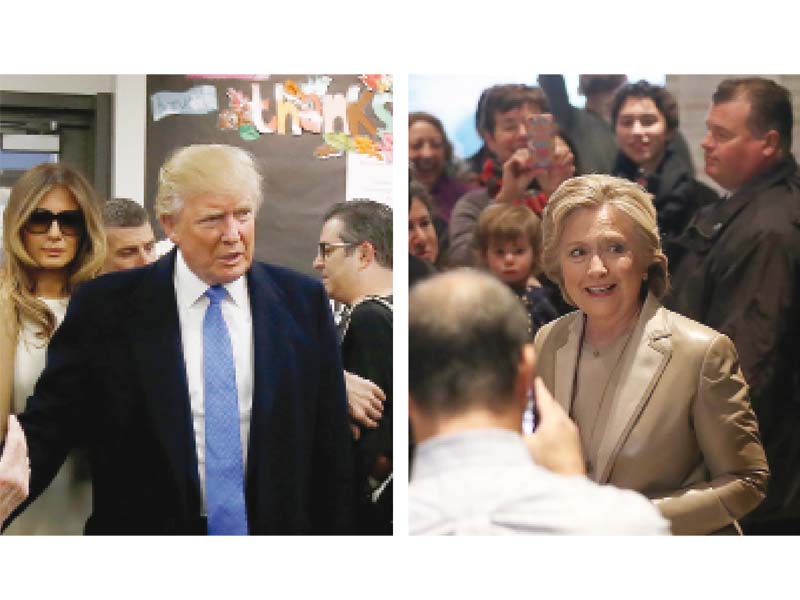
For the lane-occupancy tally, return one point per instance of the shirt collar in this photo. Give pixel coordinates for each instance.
(189, 288)
(469, 448)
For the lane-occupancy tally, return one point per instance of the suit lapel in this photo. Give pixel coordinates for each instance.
(567, 361)
(270, 355)
(155, 336)
(640, 371)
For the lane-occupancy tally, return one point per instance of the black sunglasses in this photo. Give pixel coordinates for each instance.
(70, 222)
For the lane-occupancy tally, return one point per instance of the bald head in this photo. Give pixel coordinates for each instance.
(466, 335)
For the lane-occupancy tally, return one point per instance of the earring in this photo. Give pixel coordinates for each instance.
(644, 276)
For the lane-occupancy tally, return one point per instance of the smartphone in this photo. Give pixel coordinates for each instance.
(541, 139)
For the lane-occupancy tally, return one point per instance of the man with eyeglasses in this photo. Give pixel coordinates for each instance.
(206, 386)
(354, 259)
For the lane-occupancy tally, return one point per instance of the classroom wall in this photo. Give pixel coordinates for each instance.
(130, 112)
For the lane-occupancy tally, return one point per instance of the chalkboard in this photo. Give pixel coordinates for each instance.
(298, 186)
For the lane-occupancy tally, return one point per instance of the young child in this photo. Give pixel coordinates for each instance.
(509, 240)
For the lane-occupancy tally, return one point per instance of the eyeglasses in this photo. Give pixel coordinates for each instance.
(70, 222)
(325, 248)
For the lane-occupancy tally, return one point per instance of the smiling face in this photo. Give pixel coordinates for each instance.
(422, 240)
(642, 132)
(53, 249)
(602, 266)
(511, 261)
(216, 236)
(510, 131)
(733, 155)
(426, 149)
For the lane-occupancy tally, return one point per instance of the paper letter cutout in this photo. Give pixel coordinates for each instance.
(356, 119)
(380, 110)
(311, 113)
(256, 108)
(334, 106)
(285, 108)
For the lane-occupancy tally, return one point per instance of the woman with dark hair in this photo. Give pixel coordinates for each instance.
(431, 155)
(424, 241)
(646, 123)
(53, 241)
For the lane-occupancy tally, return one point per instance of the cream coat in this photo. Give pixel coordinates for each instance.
(681, 429)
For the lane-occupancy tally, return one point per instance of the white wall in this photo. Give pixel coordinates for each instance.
(130, 123)
(58, 84)
(130, 114)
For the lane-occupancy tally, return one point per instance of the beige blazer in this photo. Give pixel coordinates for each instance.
(681, 429)
(8, 348)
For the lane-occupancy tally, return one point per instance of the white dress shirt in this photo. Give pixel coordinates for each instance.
(192, 303)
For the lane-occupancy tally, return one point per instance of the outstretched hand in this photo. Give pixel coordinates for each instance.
(15, 470)
(555, 445)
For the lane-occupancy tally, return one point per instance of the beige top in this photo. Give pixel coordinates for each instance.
(596, 384)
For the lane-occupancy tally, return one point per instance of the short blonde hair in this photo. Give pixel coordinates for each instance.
(628, 198)
(207, 169)
(18, 268)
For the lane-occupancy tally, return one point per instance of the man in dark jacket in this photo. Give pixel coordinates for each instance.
(741, 272)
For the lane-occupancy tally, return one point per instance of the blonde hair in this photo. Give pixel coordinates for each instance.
(594, 191)
(206, 169)
(505, 223)
(17, 274)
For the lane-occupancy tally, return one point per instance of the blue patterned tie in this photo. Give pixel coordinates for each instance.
(224, 473)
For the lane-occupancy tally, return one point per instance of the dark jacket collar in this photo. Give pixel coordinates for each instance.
(709, 223)
(671, 171)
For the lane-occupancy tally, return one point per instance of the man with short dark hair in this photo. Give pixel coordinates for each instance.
(470, 372)
(130, 238)
(741, 272)
(355, 261)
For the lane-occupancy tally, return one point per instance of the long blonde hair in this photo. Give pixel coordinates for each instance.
(17, 273)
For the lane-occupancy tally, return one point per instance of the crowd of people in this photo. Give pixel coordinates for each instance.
(661, 317)
(201, 392)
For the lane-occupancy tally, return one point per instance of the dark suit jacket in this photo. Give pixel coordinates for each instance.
(115, 382)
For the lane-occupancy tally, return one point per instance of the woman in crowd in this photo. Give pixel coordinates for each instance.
(423, 240)
(431, 155)
(511, 175)
(660, 402)
(646, 123)
(53, 241)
